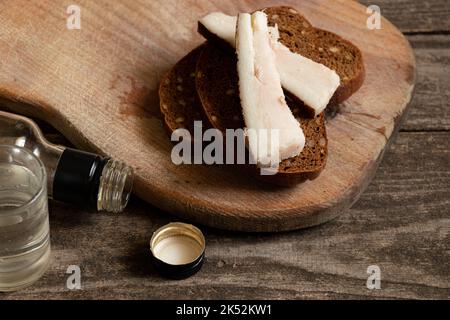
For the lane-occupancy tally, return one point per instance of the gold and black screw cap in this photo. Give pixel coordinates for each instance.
(178, 250)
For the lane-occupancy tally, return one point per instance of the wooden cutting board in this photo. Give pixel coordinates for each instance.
(98, 86)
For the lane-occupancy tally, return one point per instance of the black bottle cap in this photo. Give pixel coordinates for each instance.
(77, 178)
(178, 250)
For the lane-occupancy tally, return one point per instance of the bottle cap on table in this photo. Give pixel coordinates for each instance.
(178, 250)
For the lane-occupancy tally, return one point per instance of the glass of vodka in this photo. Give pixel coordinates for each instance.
(24, 226)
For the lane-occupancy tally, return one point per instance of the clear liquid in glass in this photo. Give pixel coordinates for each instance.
(24, 226)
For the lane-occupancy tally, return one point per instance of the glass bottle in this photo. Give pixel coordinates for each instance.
(73, 176)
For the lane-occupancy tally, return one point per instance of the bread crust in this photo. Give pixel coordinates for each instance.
(176, 103)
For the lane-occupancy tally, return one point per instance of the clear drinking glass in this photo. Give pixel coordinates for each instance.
(24, 226)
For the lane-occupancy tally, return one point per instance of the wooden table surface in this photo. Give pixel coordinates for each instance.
(401, 223)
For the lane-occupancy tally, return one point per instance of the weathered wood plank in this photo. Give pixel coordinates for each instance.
(430, 108)
(415, 15)
(401, 224)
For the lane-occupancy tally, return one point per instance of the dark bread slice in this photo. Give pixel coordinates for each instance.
(321, 46)
(217, 87)
(179, 102)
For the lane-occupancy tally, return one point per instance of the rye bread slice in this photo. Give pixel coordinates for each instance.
(217, 87)
(179, 102)
(321, 46)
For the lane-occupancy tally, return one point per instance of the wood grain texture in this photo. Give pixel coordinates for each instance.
(98, 86)
(430, 107)
(401, 223)
(415, 16)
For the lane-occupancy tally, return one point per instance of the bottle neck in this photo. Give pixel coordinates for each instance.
(116, 183)
(87, 179)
